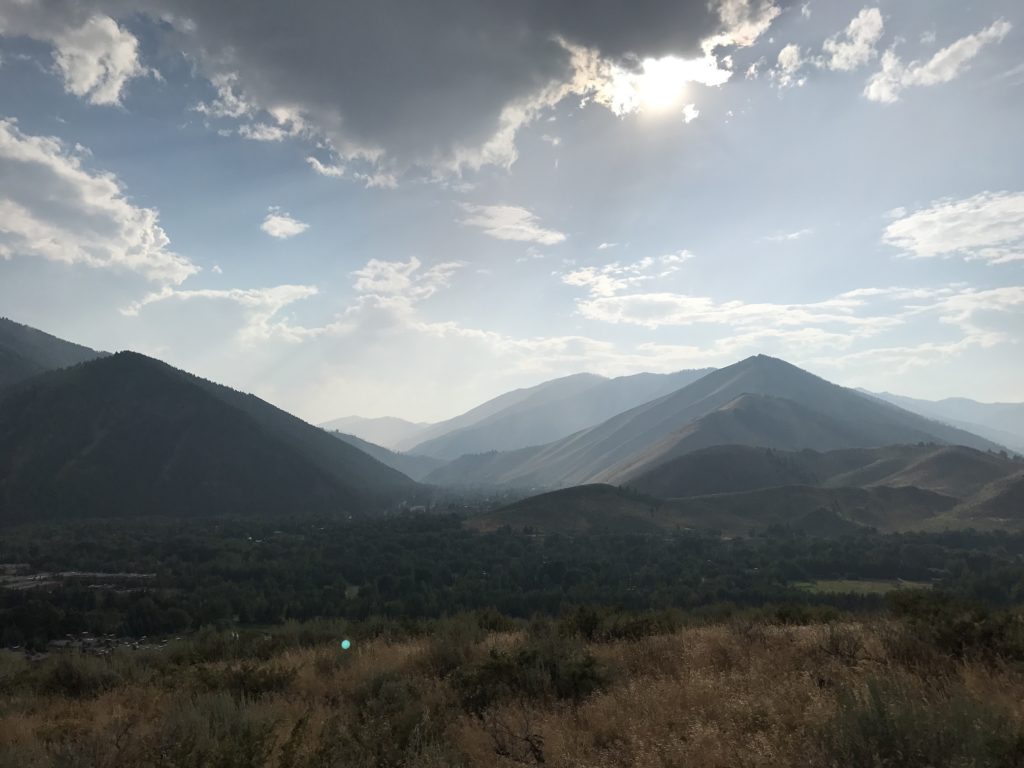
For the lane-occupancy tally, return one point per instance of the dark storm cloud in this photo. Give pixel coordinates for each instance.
(423, 79)
(438, 83)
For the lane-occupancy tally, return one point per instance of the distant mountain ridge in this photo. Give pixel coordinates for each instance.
(411, 465)
(759, 401)
(555, 410)
(1000, 422)
(27, 352)
(385, 431)
(566, 386)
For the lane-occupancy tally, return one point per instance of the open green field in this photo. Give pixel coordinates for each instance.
(859, 586)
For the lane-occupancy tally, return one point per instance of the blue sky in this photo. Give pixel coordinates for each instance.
(389, 209)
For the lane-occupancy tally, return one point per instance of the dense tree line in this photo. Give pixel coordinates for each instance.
(233, 572)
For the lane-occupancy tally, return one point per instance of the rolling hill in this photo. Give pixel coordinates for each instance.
(759, 401)
(951, 470)
(127, 435)
(818, 511)
(27, 352)
(1001, 501)
(583, 509)
(553, 411)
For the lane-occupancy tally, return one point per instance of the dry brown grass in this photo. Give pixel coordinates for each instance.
(726, 695)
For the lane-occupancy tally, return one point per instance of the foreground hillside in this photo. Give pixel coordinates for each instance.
(581, 692)
(127, 435)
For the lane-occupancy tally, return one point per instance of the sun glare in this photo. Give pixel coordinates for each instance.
(662, 83)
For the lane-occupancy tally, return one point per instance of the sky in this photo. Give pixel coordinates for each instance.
(405, 208)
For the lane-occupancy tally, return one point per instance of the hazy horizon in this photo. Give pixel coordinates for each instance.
(397, 212)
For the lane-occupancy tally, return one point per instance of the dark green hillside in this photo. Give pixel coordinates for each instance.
(27, 352)
(583, 509)
(127, 435)
(949, 470)
(887, 509)
(818, 511)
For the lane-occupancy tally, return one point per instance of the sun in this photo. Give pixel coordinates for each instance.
(661, 84)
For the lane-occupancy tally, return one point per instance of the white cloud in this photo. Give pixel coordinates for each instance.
(610, 279)
(690, 113)
(655, 310)
(887, 84)
(281, 225)
(52, 207)
(95, 56)
(606, 246)
(969, 310)
(510, 222)
(377, 180)
(783, 237)
(855, 46)
(789, 63)
(986, 227)
(333, 171)
(261, 307)
(229, 101)
(262, 132)
(403, 279)
(744, 20)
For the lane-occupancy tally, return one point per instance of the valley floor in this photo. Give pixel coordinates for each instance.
(872, 693)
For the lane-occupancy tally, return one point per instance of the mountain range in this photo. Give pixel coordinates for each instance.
(759, 401)
(84, 433)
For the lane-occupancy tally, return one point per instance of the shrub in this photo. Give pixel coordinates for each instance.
(394, 725)
(891, 722)
(246, 681)
(212, 730)
(452, 644)
(541, 670)
(960, 629)
(78, 677)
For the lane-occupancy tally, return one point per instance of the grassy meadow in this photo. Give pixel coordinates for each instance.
(584, 691)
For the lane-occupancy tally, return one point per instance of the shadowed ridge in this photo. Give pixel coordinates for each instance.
(127, 435)
(27, 352)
